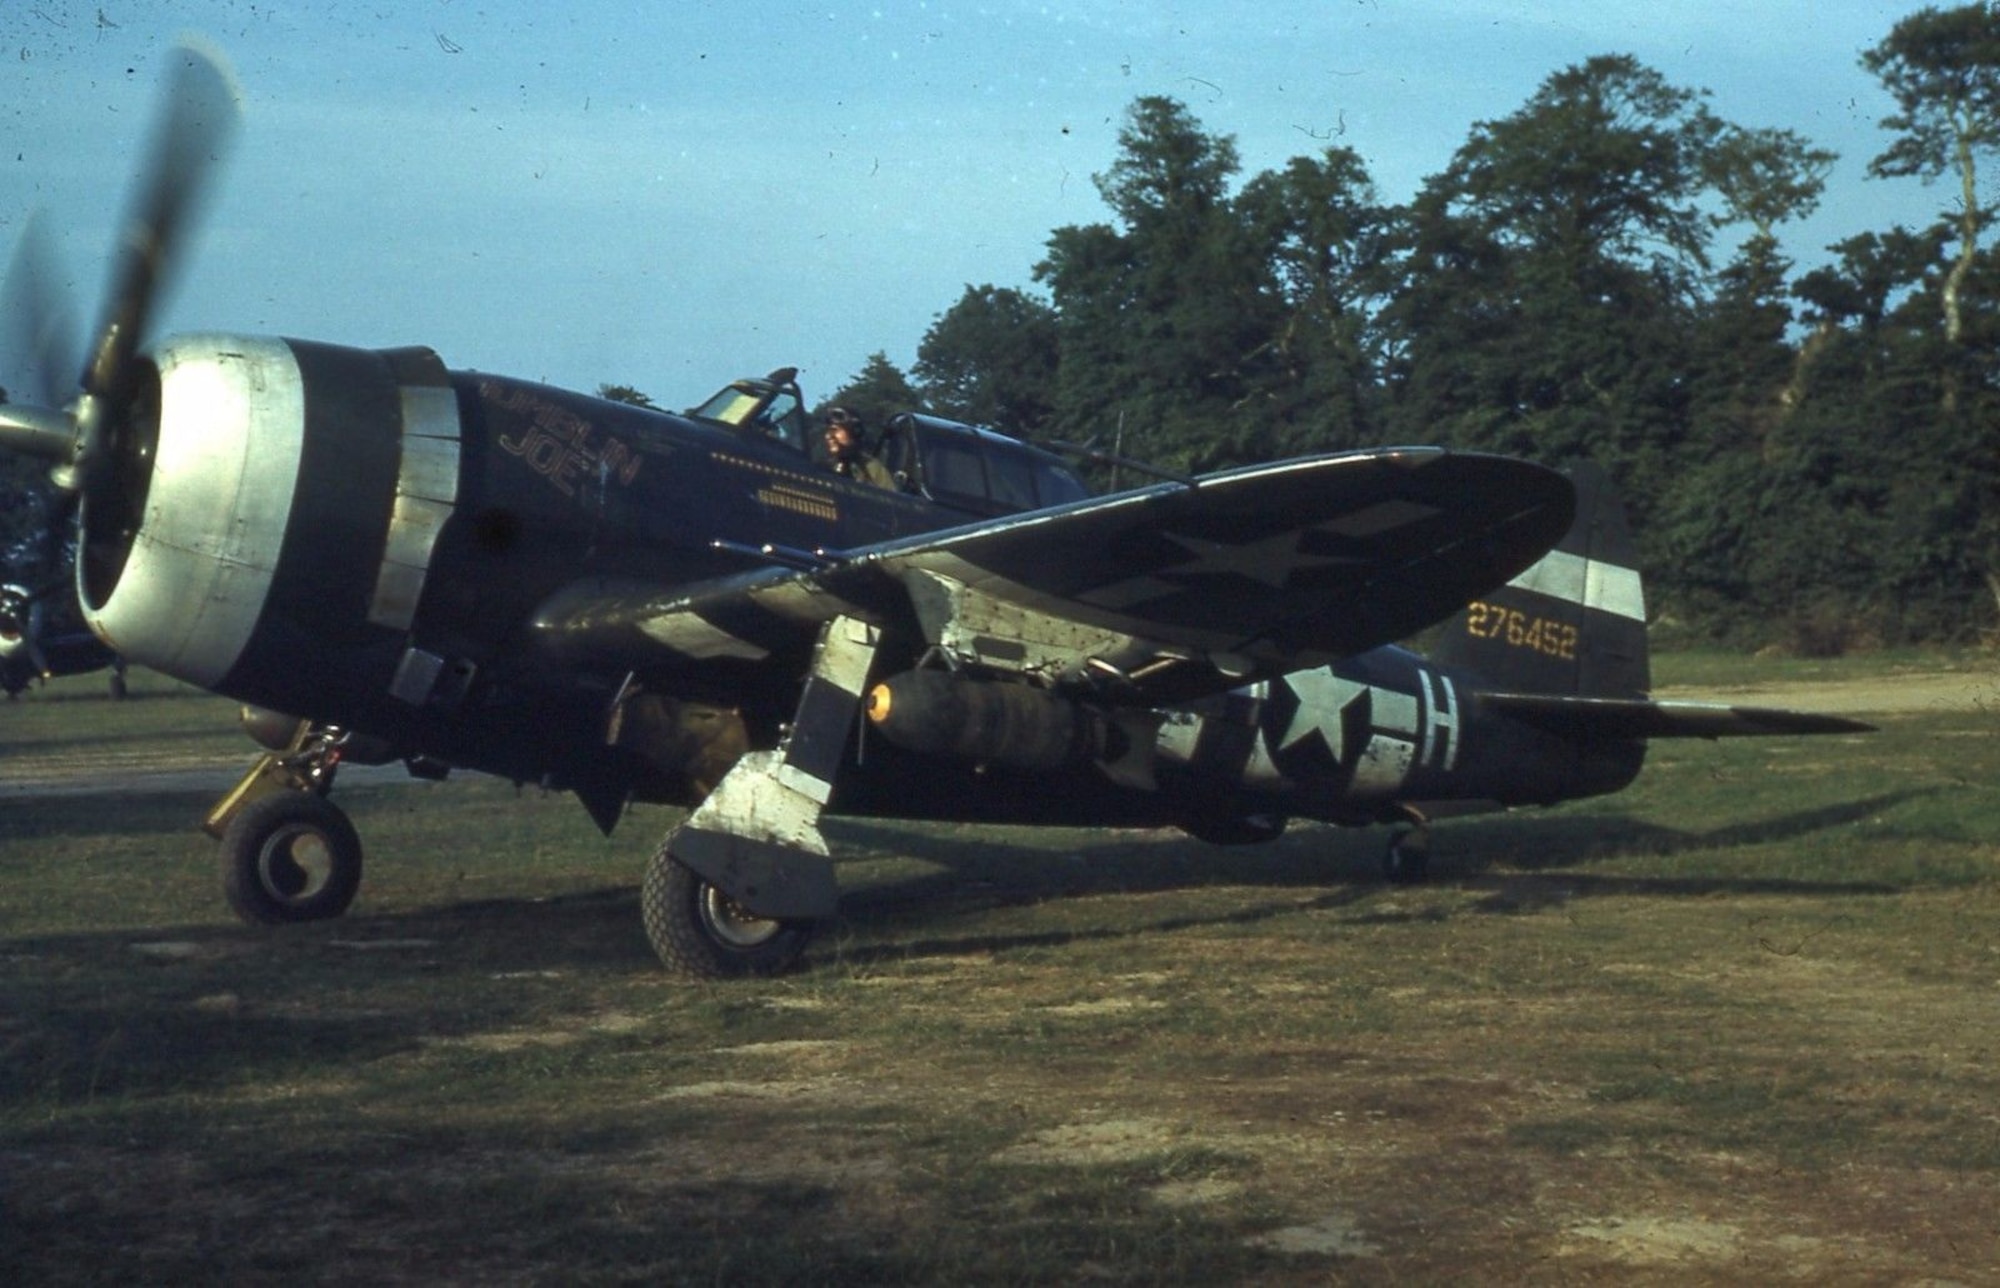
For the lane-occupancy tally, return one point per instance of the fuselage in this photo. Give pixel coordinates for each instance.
(364, 538)
(369, 540)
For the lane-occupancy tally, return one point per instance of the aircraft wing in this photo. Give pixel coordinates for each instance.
(1160, 593)
(1633, 719)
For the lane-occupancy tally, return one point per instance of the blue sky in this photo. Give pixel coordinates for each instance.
(671, 195)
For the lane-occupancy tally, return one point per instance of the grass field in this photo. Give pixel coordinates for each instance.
(1738, 1024)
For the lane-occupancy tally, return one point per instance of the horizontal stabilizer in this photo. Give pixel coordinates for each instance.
(1634, 719)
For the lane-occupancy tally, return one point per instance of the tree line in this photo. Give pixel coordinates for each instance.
(1808, 456)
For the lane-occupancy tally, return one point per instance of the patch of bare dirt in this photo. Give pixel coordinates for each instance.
(1115, 1140)
(1337, 1234)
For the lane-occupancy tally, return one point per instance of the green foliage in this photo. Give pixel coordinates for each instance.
(1547, 310)
(1596, 274)
(1325, 242)
(991, 360)
(1943, 69)
(1939, 66)
(1765, 177)
(1605, 163)
(625, 394)
(1167, 324)
(1874, 271)
(880, 390)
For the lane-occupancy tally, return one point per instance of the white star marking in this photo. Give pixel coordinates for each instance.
(1323, 701)
(1272, 560)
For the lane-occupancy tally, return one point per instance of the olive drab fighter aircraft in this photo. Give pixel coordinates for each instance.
(384, 559)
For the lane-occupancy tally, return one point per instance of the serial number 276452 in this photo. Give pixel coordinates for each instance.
(1513, 627)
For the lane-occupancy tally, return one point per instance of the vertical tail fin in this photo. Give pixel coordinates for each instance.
(1574, 623)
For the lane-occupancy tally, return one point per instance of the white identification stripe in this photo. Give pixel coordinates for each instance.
(690, 636)
(754, 802)
(426, 488)
(1605, 587)
(845, 653)
(1085, 612)
(801, 601)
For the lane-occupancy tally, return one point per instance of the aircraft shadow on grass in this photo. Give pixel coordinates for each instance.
(476, 952)
(1541, 854)
(974, 871)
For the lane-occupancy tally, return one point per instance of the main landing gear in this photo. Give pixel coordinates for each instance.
(698, 930)
(736, 889)
(288, 853)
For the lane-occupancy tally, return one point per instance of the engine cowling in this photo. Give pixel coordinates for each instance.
(271, 514)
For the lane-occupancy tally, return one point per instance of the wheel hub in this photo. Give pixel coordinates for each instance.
(731, 923)
(295, 863)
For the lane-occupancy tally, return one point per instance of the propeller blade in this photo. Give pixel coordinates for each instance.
(36, 346)
(195, 128)
(193, 133)
(37, 326)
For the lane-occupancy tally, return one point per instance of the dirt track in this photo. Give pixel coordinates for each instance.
(97, 775)
(1882, 695)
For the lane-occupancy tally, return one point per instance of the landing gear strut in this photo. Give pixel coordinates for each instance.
(288, 853)
(736, 888)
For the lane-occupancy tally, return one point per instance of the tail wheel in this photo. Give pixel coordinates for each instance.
(698, 930)
(1407, 861)
(292, 856)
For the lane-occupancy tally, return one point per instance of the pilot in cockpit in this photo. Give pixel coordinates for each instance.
(846, 454)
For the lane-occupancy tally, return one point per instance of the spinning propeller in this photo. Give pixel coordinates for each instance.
(82, 438)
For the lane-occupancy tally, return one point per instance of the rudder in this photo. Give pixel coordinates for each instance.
(1575, 622)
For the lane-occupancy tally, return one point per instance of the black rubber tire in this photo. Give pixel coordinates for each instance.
(697, 930)
(1407, 861)
(290, 857)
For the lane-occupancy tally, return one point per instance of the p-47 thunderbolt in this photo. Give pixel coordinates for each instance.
(390, 560)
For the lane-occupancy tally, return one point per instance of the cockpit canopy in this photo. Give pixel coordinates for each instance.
(771, 406)
(959, 466)
(975, 470)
